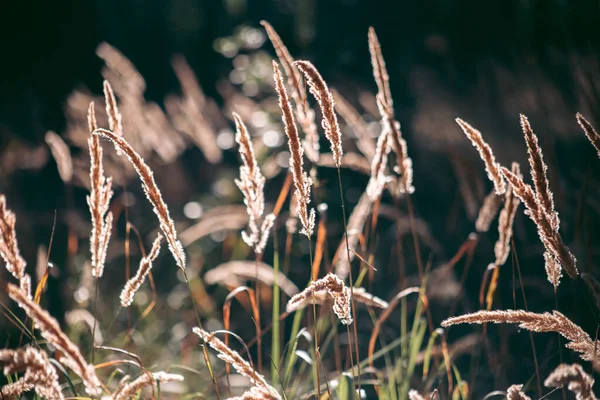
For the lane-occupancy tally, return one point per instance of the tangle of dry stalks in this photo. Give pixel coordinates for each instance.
(50, 330)
(335, 287)
(579, 340)
(136, 281)
(239, 364)
(575, 378)
(305, 114)
(251, 184)
(9, 248)
(590, 132)
(129, 390)
(391, 135)
(557, 254)
(487, 155)
(152, 193)
(40, 375)
(98, 200)
(329, 122)
(515, 392)
(62, 156)
(302, 182)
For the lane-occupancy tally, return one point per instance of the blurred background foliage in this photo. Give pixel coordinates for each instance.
(484, 61)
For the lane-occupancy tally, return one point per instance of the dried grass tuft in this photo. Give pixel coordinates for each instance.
(9, 248)
(62, 155)
(590, 132)
(50, 330)
(136, 281)
(505, 222)
(129, 390)
(152, 193)
(579, 340)
(486, 154)
(515, 392)
(335, 287)
(575, 378)
(301, 180)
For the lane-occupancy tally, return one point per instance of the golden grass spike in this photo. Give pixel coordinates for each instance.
(579, 340)
(539, 173)
(251, 184)
(50, 330)
(62, 155)
(330, 125)
(304, 113)
(335, 288)
(115, 119)
(129, 390)
(152, 193)
(505, 222)
(379, 70)
(239, 364)
(488, 211)
(515, 392)
(557, 252)
(590, 132)
(486, 154)
(98, 200)
(136, 281)
(39, 374)
(301, 180)
(9, 248)
(575, 378)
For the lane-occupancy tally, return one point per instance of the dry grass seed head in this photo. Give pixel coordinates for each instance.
(302, 182)
(486, 154)
(335, 288)
(505, 222)
(136, 281)
(329, 122)
(152, 194)
(40, 375)
(488, 211)
(515, 392)
(590, 132)
(50, 330)
(130, 389)
(62, 155)
(575, 378)
(9, 248)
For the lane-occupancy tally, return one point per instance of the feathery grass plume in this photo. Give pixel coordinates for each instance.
(488, 211)
(255, 393)
(305, 114)
(356, 224)
(50, 330)
(539, 173)
(152, 193)
(575, 378)
(329, 122)
(249, 270)
(590, 132)
(379, 69)
(40, 375)
(335, 287)
(62, 156)
(379, 164)
(9, 248)
(129, 390)
(301, 180)
(322, 296)
(412, 393)
(355, 121)
(251, 184)
(515, 392)
(486, 154)
(390, 127)
(580, 341)
(239, 364)
(98, 200)
(115, 119)
(505, 222)
(557, 253)
(136, 281)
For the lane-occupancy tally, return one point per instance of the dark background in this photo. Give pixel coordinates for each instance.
(484, 61)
